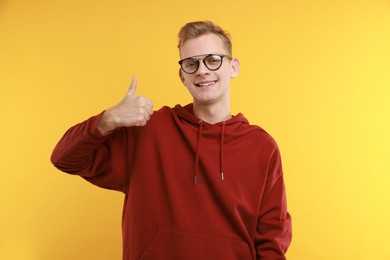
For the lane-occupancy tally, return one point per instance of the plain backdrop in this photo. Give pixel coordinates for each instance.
(314, 74)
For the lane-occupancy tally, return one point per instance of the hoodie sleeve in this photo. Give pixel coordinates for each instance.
(274, 229)
(100, 159)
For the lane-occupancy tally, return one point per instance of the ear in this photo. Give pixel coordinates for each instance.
(181, 77)
(235, 68)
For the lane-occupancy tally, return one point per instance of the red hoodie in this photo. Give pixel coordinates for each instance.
(193, 190)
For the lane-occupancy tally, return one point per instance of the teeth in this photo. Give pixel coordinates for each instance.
(206, 84)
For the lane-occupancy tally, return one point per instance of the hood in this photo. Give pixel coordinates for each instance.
(236, 123)
(187, 113)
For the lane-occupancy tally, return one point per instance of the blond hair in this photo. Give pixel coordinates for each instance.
(195, 29)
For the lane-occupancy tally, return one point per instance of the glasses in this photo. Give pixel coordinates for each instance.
(212, 61)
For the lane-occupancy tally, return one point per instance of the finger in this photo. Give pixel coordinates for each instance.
(146, 102)
(133, 86)
(149, 111)
(149, 103)
(147, 117)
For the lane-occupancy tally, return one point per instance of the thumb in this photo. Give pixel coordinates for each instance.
(133, 86)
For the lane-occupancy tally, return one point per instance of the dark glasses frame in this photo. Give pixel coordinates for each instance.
(197, 62)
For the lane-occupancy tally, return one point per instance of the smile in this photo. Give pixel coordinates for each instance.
(205, 84)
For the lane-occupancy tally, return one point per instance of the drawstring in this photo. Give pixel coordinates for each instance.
(197, 150)
(221, 150)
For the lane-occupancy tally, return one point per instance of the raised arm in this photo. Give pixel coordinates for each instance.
(96, 148)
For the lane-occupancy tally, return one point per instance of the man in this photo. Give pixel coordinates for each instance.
(199, 183)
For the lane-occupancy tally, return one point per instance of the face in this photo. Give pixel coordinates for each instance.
(207, 86)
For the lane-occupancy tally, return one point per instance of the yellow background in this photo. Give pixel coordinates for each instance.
(314, 74)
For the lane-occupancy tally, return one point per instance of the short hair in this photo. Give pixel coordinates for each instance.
(195, 29)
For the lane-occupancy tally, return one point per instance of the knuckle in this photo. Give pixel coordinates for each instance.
(140, 99)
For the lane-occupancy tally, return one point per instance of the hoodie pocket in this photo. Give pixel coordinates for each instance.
(176, 245)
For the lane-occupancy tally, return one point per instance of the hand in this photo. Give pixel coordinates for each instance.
(133, 110)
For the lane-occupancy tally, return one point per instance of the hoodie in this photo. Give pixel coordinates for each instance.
(193, 190)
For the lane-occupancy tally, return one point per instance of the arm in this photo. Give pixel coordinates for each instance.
(96, 148)
(100, 159)
(274, 231)
(76, 149)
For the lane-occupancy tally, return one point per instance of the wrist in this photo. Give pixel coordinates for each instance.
(105, 125)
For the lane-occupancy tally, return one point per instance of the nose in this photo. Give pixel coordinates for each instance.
(202, 69)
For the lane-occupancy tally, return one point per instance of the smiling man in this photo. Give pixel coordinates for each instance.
(206, 70)
(199, 182)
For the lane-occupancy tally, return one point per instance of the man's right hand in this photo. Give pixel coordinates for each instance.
(133, 110)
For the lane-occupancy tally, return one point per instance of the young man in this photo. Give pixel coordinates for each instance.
(199, 183)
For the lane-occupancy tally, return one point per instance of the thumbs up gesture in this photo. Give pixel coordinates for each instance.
(133, 110)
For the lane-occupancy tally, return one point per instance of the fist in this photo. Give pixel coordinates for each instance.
(132, 110)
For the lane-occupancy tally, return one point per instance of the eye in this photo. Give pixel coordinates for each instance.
(213, 59)
(190, 64)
